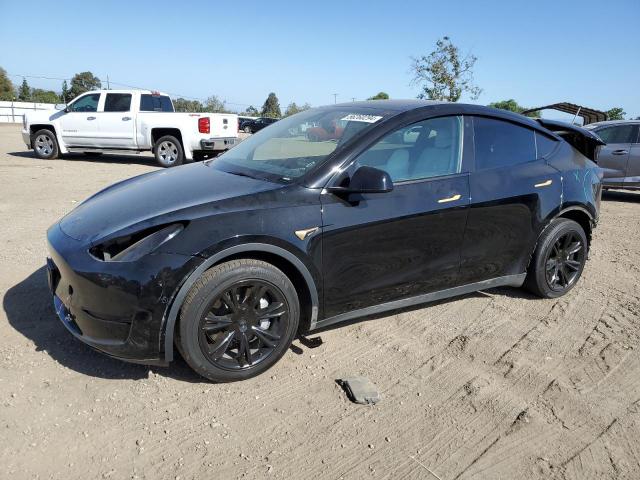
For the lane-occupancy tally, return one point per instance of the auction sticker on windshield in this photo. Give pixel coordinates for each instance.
(356, 117)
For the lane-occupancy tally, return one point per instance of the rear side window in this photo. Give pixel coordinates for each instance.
(499, 143)
(117, 102)
(155, 103)
(544, 145)
(619, 134)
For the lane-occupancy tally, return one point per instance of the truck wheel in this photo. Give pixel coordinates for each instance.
(168, 151)
(247, 129)
(45, 144)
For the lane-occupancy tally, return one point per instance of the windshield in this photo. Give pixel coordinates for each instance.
(289, 148)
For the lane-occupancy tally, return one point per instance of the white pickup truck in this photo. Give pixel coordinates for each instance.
(110, 121)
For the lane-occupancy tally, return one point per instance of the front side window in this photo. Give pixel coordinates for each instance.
(426, 149)
(117, 102)
(289, 148)
(499, 143)
(88, 103)
(618, 134)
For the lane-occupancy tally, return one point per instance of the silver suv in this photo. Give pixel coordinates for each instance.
(620, 157)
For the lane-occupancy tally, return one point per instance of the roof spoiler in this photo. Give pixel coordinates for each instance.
(583, 140)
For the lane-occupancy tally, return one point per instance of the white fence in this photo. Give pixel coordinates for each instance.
(12, 112)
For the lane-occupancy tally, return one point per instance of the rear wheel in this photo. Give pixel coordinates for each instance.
(168, 151)
(45, 144)
(238, 320)
(559, 259)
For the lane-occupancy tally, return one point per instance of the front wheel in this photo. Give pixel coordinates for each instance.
(45, 144)
(558, 260)
(168, 151)
(238, 320)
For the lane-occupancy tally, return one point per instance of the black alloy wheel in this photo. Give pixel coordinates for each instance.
(238, 319)
(558, 260)
(244, 324)
(564, 262)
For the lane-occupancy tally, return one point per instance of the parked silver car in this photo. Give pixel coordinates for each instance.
(620, 157)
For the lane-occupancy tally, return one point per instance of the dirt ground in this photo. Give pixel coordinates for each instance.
(490, 385)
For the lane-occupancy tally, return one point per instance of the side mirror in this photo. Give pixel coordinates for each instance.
(366, 180)
(60, 106)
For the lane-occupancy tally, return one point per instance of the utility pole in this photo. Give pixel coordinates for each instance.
(108, 86)
(353, 99)
(335, 98)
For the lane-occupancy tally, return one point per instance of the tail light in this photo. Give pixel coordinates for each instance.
(204, 125)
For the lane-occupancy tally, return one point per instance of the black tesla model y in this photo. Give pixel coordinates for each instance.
(394, 203)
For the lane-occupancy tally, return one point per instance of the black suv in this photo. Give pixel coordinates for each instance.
(228, 260)
(253, 126)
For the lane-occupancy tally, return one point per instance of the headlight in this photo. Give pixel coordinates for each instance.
(133, 247)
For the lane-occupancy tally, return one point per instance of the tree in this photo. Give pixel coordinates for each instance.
(293, 108)
(6, 87)
(184, 105)
(616, 113)
(271, 107)
(44, 96)
(380, 96)
(250, 111)
(444, 74)
(83, 82)
(214, 105)
(65, 96)
(24, 92)
(512, 106)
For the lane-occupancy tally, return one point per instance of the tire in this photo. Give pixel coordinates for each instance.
(45, 144)
(222, 333)
(168, 151)
(247, 129)
(558, 260)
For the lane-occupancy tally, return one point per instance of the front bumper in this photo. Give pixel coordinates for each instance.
(117, 308)
(26, 137)
(217, 144)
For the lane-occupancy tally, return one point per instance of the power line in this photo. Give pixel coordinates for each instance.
(112, 82)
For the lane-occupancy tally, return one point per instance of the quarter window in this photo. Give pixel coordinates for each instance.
(155, 103)
(88, 103)
(426, 149)
(544, 145)
(499, 143)
(117, 102)
(619, 134)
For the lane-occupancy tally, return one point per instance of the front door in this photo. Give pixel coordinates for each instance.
(614, 156)
(513, 189)
(116, 122)
(80, 122)
(383, 247)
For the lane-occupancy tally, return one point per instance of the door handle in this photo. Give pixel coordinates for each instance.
(91, 118)
(543, 184)
(126, 119)
(453, 198)
(619, 152)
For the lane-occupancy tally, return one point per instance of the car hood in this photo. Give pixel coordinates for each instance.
(156, 198)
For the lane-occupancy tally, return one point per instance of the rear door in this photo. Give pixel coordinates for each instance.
(614, 156)
(512, 190)
(115, 121)
(80, 123)
(632, 177)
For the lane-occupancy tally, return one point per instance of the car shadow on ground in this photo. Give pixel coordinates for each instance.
(116, 159)
(621, 196)
(29, 309)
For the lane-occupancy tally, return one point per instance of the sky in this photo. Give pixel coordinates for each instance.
(536, 52)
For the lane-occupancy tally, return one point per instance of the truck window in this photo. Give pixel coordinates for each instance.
(88, 103)
(117, 102)
(155, 103)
